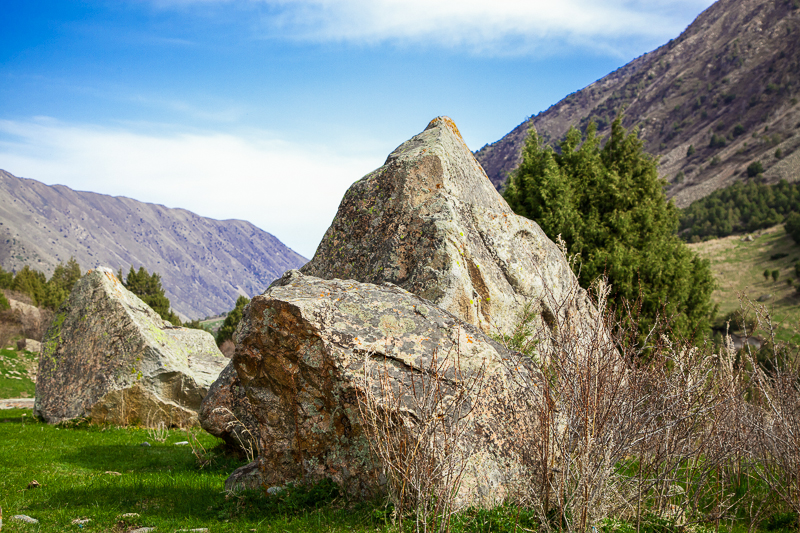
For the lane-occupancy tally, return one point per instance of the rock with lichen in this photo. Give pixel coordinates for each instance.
(226, 412)
(431, 222)
(308, 351)
(110, 358)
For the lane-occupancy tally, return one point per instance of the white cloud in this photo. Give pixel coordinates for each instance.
(288, 190)
(480, 26)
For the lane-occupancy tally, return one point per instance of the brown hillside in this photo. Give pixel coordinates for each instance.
(734, 73)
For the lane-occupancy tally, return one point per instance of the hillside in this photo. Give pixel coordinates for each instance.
(727, 86)
(738, 265)
(204, 263)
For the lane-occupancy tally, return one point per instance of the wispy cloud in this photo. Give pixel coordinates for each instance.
(288, 190)
(479, 26)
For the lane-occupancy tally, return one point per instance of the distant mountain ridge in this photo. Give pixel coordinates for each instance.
(727, 86)
(204, 263)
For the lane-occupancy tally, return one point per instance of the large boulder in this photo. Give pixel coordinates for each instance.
(108, 357)
(430, 221)
(301, 352)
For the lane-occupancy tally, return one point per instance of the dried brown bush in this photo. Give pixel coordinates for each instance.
(415, 431)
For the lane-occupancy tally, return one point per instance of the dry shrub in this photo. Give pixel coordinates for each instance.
(774, 420)
(664, 429)
(415, 431)
(227, 348)
(618, 428)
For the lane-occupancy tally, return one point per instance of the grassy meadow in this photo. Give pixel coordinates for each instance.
(738, 266)
(103, 473)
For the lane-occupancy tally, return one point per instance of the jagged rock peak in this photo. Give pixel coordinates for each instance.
(430, 221)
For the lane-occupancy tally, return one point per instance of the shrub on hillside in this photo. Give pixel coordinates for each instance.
(228, 327)
(148, 287)
(608, 205)
(793, 228)
(754, 169)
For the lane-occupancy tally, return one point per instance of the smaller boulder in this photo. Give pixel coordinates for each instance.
(108, 357)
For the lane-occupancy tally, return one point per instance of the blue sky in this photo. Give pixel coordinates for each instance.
(267, 110)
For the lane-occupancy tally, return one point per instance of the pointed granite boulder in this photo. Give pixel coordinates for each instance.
(108, 357)
(430, 221)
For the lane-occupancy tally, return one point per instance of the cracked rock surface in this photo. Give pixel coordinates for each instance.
(108, 357)
(430, 221)
(301, 353)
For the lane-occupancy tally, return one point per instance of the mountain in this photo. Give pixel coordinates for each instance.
(727, 86)
(204, 263)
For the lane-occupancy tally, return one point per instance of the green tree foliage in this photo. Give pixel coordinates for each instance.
(608, 204)
(717, 141)
(44, 293)
(30, 282)
(767, 274)
(148, 287)
(61, 282)
(228, 328)
(754, 169)
(775, 275)
(793, 227)
(6, 279)
(741, 208)
(4, 304)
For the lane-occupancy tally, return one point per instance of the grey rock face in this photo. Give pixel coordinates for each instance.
(431, 222)
(109, 357)
(301, 353)
(227, 413)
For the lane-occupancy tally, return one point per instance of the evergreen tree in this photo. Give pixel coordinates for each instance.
(608, 205)
(30, 282)
(148, 287)
(228, 328)
(6, 279)
(61, 282)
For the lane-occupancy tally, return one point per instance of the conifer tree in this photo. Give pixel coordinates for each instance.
(609, 206)
(228, 327)
(148, 287)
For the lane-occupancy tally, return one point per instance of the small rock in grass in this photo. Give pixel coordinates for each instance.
(111, 473)
(24, 518)
(129, 515)
(142, 530)
(274, 490)
(34, 484)
(146, 444)
(197, 530)
(182, 443)
(81, 521)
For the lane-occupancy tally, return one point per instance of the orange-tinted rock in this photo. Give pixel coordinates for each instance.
(300, 356)
(431, 222)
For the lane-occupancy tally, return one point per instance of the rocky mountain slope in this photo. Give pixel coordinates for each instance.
(204, 263)
(727, 87)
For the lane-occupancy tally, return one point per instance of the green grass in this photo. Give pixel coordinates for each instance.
(738, 267)
(213, 324)
(15, 371)
(101, 473)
